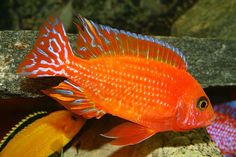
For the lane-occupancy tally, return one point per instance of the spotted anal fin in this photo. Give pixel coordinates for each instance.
(96, 40)
(128, 134)
(72, 97)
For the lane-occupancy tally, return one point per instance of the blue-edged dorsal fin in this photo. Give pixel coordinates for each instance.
(99, 40)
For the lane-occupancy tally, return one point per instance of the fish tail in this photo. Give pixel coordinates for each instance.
(50, 54)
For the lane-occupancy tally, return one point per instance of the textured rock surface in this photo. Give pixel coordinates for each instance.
(211, 61)
(211, 18)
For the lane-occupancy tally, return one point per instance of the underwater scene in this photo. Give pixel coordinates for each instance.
(128, 78)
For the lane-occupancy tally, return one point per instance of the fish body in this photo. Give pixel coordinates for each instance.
(135, 77)
(223, 130)
(141, 90)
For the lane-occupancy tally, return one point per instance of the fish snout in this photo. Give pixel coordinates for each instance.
(211, 121)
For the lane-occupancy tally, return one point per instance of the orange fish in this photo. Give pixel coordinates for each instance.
(135, 77)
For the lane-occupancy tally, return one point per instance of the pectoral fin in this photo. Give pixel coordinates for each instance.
(73, 98)
(128, 134)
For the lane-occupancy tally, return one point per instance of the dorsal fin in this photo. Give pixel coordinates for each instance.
(98, 40)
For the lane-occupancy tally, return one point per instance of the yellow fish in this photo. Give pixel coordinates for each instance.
(44, 136)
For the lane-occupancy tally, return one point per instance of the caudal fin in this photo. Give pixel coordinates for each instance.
(50, 53)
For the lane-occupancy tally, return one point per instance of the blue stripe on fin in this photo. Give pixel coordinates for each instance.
(65, 92)
(74, 86)
(72, 97)
(78, 101)
(104, 40)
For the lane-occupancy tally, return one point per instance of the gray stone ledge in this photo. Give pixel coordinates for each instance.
(211, 61)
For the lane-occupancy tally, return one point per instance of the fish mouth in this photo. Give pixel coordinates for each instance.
(210, 122)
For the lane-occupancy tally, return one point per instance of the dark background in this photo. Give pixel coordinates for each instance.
(196, 18)
(144, 16)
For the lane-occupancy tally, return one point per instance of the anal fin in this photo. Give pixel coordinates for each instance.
(73, 98)
(128, 134)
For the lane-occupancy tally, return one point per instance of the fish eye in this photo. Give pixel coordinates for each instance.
(202, 103)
